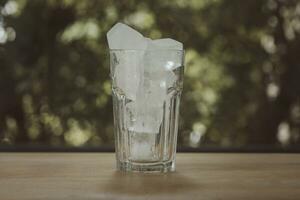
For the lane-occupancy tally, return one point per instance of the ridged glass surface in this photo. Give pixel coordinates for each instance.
(146, 120)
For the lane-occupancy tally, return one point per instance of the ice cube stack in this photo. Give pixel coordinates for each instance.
(144, 73)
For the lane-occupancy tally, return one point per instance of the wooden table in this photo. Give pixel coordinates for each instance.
(199, 176)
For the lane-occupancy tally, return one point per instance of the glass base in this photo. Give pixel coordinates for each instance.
(146, 167)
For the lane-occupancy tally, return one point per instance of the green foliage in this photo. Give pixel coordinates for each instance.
(241, 71)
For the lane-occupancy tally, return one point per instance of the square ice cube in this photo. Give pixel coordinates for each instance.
(165, 43)
(121, 36)
(127, 72)
(161, 59)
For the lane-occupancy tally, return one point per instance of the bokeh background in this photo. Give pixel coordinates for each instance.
(242, 70)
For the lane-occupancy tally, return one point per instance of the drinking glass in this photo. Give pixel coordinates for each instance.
(146, 90)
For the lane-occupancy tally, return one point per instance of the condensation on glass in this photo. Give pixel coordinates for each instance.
(146, 90)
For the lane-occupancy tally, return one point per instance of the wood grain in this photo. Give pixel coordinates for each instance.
(93, 176)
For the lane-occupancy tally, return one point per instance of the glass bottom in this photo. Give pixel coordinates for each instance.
(146, 167)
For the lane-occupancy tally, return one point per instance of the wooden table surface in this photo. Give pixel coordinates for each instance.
(199, 176)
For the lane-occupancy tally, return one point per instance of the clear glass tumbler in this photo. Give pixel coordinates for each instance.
(146, 90)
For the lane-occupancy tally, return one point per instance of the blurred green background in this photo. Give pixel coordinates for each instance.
(242, 70)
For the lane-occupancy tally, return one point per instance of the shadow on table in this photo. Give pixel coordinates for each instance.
(138, 184)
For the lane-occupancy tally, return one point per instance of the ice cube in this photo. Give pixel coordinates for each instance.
(121, 36)
(147, 110)
(128, 72)
(142, 146)
(147, 117)
(148, 40)
(163, 56)
(145, 76)
(153, 89)
(165, 43)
